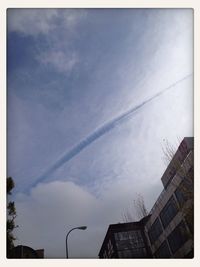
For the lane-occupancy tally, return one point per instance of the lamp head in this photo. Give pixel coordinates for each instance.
(82, 227)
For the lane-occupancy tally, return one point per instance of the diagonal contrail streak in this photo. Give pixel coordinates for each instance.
(98, 133)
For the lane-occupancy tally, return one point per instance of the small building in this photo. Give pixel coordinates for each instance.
(126, 240)
(24, 252)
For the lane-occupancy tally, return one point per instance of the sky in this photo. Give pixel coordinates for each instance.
(93, 96)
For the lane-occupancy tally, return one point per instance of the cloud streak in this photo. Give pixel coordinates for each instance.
(99, 133)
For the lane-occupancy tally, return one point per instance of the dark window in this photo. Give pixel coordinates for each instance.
(110, 249)
(105, 255)
(189, 217)
(178, 237)
(185, 189)
(180, 196)
(188, 184)
(185, 192)
(171, 174)
(168, 212)
(129, 239)
(163, 251)
(130, 244)
(133, 253)
(125, 254)
(155, 231)
(190, 173)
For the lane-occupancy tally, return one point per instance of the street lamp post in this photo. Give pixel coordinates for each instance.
(80, 228)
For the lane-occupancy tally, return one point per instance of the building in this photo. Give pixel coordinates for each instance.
(167, 232)
(125, 240)
(25, 252)
(170, 227)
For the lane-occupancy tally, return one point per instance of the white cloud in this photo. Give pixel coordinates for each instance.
(51, 24)
(51, 210)
(61, 61)
(31, 21)
(71, 17)
(34, 21)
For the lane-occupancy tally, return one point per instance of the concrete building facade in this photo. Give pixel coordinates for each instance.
(170, 227)
(167, 232)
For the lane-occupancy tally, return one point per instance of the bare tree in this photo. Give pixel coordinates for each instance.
(129, 215)
(140, 207)
(137, 211)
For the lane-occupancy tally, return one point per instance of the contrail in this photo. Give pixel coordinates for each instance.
(98, 133)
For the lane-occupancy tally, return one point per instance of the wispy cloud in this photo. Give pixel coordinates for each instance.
(31, 21)
(35, 21)
(62, 62)
(100, 132)
(45, 27)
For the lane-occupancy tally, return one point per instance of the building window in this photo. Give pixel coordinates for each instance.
(129, 239)
(190, 173)
(163, 251)
(110, 249)
(105, 255)
(133, 253)
(136, 239)
(155, 231)
(185, 189)
(125, 254)
(130, 244)
(121, 236)
(180, 196)
(178, 237)
(168, 212)
(189, 219)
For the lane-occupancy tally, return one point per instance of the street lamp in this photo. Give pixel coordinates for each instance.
(80, 228)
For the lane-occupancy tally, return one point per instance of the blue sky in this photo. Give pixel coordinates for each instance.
(70, 73)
